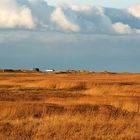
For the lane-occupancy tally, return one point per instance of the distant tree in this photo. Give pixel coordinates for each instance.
(36, 69)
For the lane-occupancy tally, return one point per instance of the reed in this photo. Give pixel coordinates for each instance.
(80, 106)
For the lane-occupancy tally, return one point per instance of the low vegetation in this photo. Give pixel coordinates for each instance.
(69, 106)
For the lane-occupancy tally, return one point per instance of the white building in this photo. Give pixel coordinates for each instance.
(49, 70)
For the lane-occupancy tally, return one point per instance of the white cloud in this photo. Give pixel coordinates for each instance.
(122, 28)
(78, 7)
(13, 15)
(89, 19)
(33, 1)
(59, 18)
(75, 18)
(135, 11)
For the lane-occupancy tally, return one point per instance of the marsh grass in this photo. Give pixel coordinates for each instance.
(80, 106)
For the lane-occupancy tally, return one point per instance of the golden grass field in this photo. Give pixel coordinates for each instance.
(70, 106)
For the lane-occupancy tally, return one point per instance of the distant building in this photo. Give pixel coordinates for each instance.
(50, 70)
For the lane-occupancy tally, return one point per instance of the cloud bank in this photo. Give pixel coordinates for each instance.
(38, 15)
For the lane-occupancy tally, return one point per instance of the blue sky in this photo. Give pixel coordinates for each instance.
(70, 35)
(106, 3)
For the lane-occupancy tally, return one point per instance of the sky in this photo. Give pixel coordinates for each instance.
(106, 3)
(91, 35)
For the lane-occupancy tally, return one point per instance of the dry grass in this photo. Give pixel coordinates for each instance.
(82, 106)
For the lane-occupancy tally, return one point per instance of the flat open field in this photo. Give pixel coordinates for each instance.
(78, 106)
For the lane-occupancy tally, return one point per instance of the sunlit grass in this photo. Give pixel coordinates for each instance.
(85, 106)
